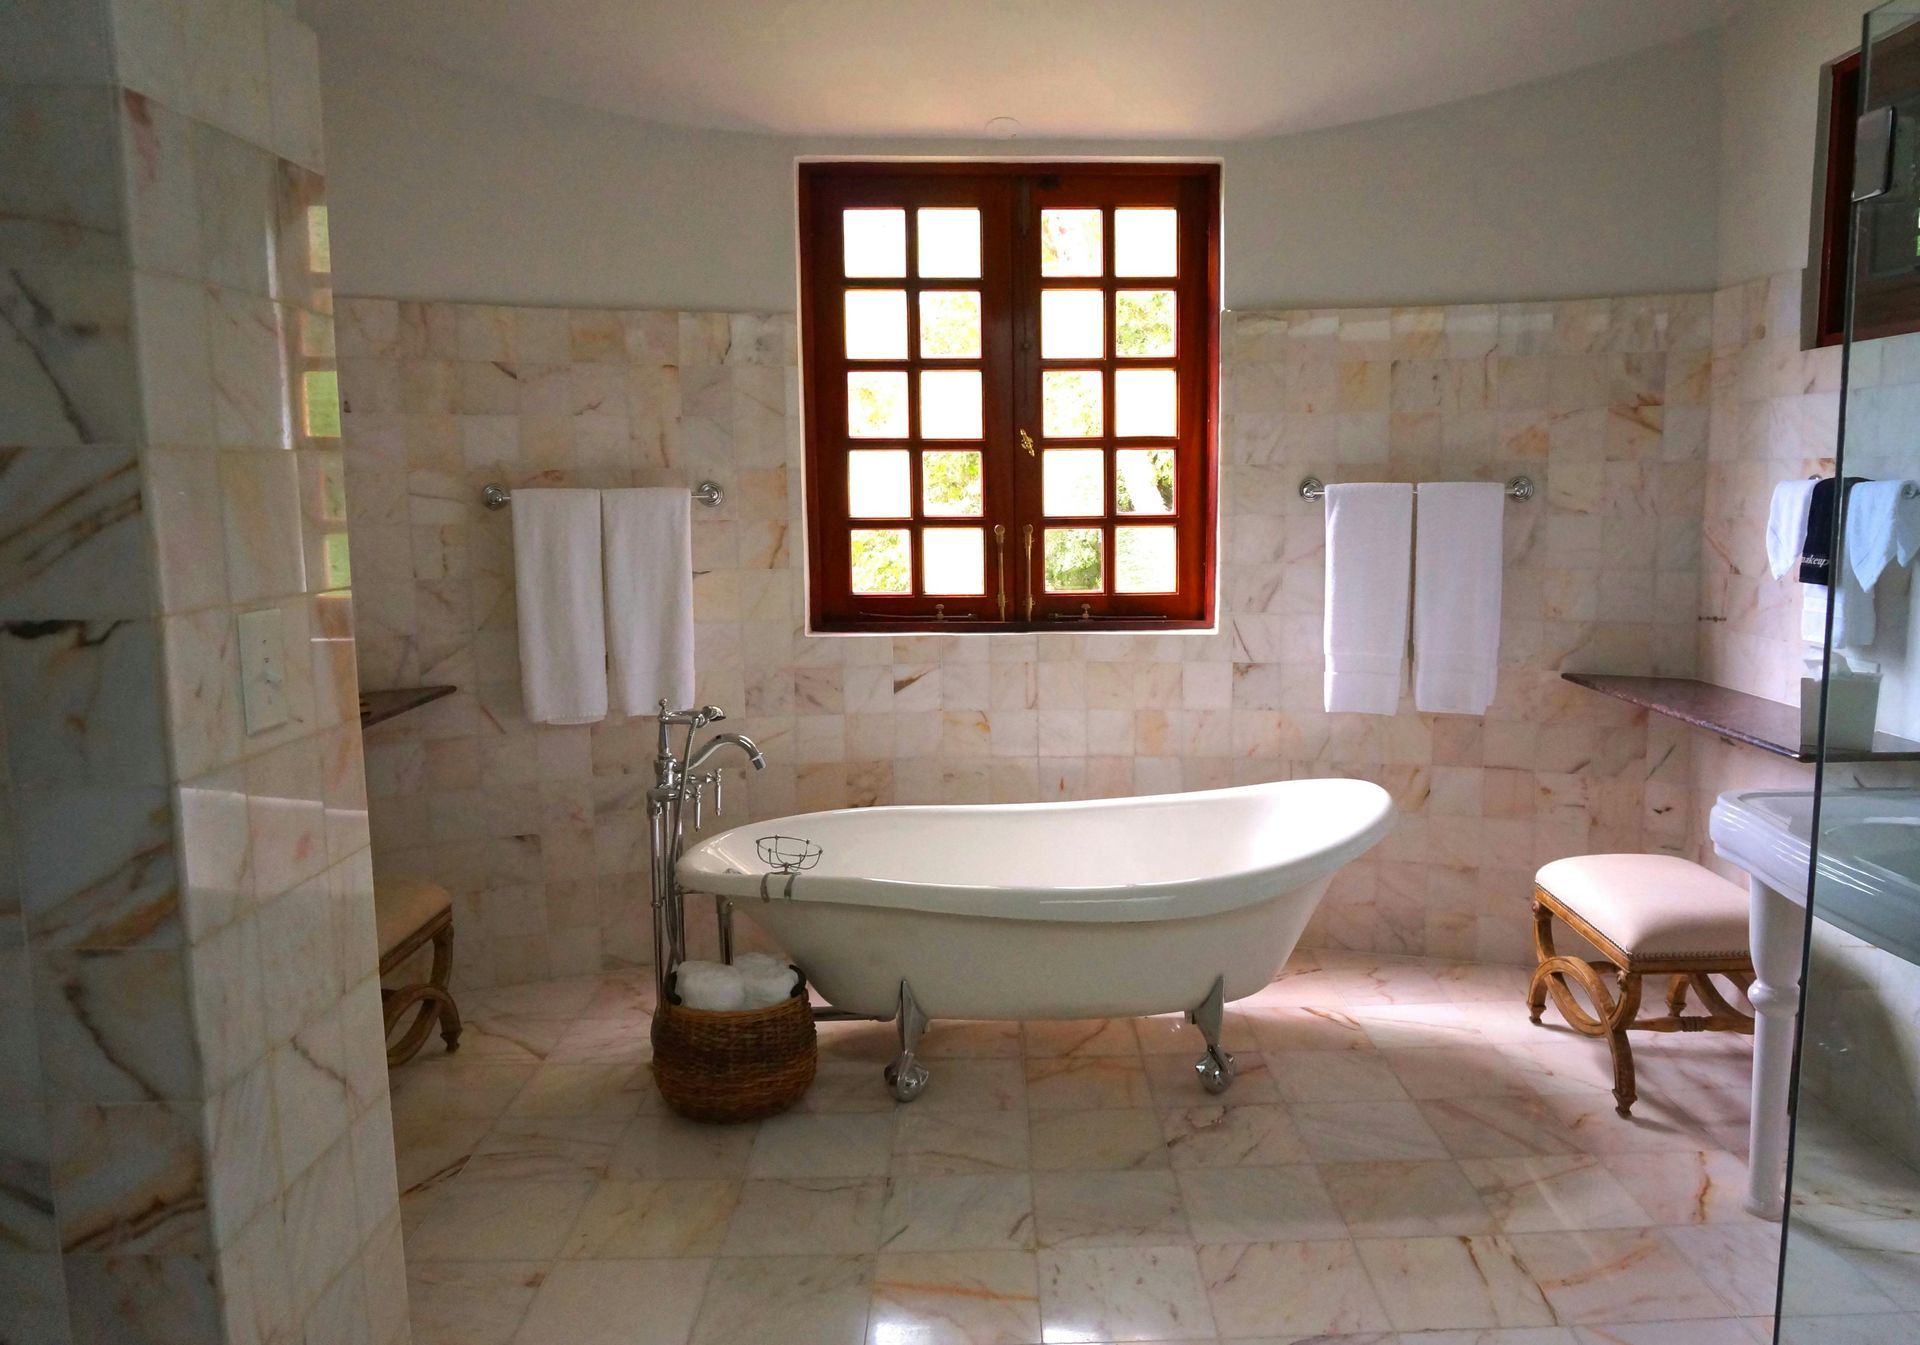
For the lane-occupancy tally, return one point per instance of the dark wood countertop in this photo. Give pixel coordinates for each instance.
(1772, 726)
(377, 707)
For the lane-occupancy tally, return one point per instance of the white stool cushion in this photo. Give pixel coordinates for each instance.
(402, 905)
(1653, 907)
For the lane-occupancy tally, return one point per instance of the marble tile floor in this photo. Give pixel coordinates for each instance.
(1853, 1251)
(1404, 1159)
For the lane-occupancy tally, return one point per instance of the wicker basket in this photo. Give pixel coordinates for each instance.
(736, 1065)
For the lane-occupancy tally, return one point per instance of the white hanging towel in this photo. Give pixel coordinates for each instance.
(1854, 621)
(1787, 525)
(649, 580)
(1369, 547)
(556, 584)
(1456, 596)
(1883, 526)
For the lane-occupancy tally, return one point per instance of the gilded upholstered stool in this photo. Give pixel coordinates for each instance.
(1649, 915)
(410, 913)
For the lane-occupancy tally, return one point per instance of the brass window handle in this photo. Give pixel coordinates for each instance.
(1026, 442)
(1029, 530)
(1000, 541)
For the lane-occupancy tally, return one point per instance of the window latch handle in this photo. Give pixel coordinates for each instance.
(1000, 543)
(1029, 531)
(1026, 442)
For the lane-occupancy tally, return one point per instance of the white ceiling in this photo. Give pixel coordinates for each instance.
(1092, 69)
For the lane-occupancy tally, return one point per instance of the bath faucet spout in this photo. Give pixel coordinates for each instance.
(753, 754)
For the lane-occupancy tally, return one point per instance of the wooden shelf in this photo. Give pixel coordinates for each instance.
(1771, 726)
(377, 707)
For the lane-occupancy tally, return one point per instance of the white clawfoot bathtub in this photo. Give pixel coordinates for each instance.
(1110, 908)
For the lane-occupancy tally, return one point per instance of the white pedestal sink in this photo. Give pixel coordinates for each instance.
(1869, 885)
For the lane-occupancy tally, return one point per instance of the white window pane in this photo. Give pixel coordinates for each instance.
(878, 484)
(875, 242)
(876, 324)
(1073, 482)
(949, 241)
(1146, 242)
(1073, 324)
(1145, 403)
(1144, 560)
(950, 404)
(955, 560)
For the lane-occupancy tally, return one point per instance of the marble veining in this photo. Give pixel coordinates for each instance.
(1602, 401)
(542, 1194)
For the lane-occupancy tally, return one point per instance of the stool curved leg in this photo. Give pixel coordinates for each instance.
(430, 1001)
(1556, 977)
(439, 977)
(1618, 1021)
(1543, 951)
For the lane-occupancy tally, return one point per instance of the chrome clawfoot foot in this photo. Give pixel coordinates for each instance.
(906, 1083)
(906, 1077)
(1215, 1068)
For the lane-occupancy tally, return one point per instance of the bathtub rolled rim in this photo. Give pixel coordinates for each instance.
(701, 870)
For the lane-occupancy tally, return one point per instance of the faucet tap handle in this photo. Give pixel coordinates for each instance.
(699, 783)
(719, 790)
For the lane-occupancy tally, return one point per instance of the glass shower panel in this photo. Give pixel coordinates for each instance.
(1850, 1266)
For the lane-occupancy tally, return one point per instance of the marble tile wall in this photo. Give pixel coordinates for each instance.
(193, 1102)
(539, 830)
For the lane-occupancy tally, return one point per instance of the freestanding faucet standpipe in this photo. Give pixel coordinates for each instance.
(674, 778)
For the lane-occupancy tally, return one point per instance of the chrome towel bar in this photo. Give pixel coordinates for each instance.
(496, 496)
(1520, 488)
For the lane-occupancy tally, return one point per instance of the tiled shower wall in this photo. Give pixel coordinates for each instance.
(1776, 415)
(540, 832)
(195, 1144)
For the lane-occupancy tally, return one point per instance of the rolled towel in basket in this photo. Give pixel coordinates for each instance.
(712, 986)
(767, 979)
(754, 981)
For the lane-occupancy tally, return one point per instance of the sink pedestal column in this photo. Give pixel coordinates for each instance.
(1779, 935)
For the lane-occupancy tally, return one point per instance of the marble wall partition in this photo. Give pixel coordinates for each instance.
(194, 1131)
(539, 831)
(1776, 415)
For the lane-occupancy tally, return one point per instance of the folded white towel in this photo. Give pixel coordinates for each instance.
(649, 583)
(1456, 596)
(1883, 526)
(1787, 525)
(1369, 549)
(562, 613)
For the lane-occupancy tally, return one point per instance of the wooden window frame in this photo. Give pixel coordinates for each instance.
(1887, 303)
(1836, 215)
(1010, 196)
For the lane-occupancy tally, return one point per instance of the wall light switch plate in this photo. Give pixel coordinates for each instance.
(263, 669)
